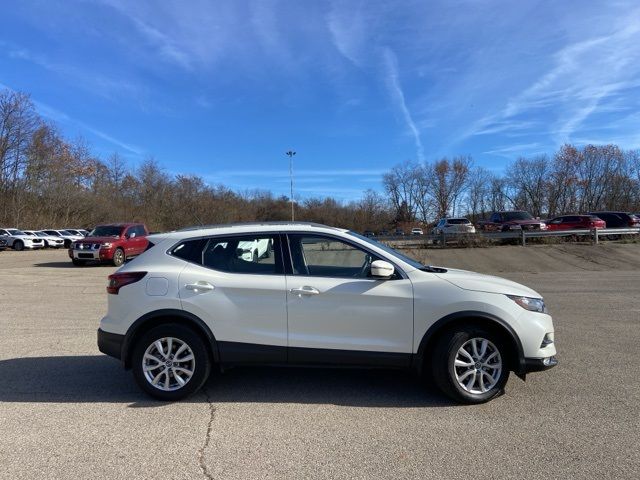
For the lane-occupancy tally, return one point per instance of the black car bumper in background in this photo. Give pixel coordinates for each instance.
(110, 343)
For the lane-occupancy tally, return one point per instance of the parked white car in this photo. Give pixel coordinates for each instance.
(453, 226)
(417, 231)
(19, 240)
(49, 241)
(256, 249)
(67, 237)
(77, 231)
(325, 296)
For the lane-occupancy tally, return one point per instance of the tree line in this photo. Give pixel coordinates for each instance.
(47, 180)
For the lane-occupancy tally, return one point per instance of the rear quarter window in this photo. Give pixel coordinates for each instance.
(190, 250)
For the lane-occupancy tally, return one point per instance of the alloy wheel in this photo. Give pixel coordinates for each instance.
(168, 364)
(478, 366)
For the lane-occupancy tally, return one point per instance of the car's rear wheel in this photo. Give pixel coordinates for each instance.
(118, 257)
(470, 365)
(170, 362)
(18, 245)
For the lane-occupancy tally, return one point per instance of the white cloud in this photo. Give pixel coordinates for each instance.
(397, 96)
(58, 116)
(348, 28)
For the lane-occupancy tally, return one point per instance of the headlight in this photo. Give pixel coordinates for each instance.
(531, 304)
(105, 245)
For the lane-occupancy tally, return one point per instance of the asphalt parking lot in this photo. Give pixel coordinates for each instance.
(66, 411)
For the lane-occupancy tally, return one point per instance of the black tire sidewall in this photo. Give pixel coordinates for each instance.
(443, 364)
(18, 245)
(200, 352)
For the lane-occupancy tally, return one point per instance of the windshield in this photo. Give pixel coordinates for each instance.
(457, 221)
(517, 216)
(41, 234)
(389, 250)
(13, 231)
(106, 231)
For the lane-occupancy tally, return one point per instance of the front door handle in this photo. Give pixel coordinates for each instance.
(199, 287)
(306, 290)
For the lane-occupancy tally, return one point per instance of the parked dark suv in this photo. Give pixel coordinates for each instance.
(618, 219)
(512, 220)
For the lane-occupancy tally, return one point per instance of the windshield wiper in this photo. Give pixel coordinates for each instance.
(429, 268)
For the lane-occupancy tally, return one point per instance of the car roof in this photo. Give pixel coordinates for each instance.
(249, 227)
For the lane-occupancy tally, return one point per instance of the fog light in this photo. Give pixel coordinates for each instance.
(549, 361)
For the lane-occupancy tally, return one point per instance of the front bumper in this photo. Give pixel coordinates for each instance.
(539, 364)
(110, 343)
(97, 254)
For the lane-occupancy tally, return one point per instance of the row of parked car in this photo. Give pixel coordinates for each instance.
(520, 220)
(34, 239)
(111, 243)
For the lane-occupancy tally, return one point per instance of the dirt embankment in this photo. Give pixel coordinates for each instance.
(536, 258)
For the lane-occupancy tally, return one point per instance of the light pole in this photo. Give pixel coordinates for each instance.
(290, 154)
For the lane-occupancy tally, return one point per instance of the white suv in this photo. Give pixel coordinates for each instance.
(316, 296)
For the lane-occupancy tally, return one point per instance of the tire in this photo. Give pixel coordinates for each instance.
(199, 365)
(118, 257)
(462, 383)
(18, 245)
(77, 263)
(67, 243)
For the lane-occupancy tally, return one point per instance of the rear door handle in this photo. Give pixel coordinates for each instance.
(199, 287)
(306, 290)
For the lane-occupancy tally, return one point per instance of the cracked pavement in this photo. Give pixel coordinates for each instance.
(66, 411)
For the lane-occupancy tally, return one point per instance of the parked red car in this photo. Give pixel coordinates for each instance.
(575, 222)
(110, 243)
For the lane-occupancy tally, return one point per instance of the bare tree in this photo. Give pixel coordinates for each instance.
(528, 179)
(447, 181)
(402, 186)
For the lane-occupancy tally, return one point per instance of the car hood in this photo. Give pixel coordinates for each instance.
(98, 240)
(525, 222)
(486, 283)
(26, 237)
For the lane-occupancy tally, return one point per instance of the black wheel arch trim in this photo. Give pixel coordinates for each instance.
(181, 316)
(519, 366)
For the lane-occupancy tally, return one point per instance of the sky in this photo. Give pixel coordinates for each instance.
(222, 89)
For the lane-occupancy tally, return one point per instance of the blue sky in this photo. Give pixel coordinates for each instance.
(222, 89)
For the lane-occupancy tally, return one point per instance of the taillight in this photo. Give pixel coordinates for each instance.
(119, 280)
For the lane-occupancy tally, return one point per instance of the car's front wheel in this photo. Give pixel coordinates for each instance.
(170, 362)
(471, 365)
(118, 257)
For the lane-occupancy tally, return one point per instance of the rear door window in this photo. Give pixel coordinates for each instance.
(245, 254)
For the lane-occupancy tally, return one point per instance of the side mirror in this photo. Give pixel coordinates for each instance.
(381, 269)
(132, 235)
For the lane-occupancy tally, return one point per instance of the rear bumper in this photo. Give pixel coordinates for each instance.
(110, 343)
(539, 364)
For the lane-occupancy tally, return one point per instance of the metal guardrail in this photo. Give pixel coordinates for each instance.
(523, 235)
